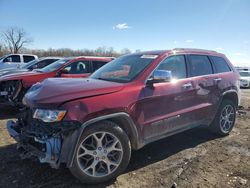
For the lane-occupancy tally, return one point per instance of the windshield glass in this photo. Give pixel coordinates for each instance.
(246, 74)
(124, 69)
(54, 66)
(2, 57)
(27, 65)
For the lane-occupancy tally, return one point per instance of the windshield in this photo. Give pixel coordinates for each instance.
(54, 66)
(27, 65)
(2, 57)
(245, 74)
(124, 69)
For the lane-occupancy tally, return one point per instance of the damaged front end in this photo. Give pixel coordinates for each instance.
(11, 93)
(48, 142)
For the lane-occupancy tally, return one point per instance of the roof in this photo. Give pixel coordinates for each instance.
(185, 50)
(94, 57)
(194, 49)
(22, 54)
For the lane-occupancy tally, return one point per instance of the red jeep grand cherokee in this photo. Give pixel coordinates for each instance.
(14, 86)
(91, 125)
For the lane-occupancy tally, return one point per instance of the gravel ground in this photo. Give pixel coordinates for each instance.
(194, 158)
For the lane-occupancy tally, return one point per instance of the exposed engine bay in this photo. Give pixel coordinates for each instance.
(42, 141)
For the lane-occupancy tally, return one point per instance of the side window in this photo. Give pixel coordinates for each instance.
(28, 58)
(79, 67)
(220, 64)
(175, 64)
(97, 64)
(13, 58)
(200, 65)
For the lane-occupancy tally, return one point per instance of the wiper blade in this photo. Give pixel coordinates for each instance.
(105, 79)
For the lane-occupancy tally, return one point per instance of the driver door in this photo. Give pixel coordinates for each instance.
(78, 69)
(167, 106)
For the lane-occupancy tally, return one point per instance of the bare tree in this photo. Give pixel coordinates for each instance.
(15, 39)
(125, 51)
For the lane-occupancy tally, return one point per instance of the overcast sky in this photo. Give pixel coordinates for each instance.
(222, 25)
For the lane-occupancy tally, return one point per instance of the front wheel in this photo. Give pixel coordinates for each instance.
(225, 118)
(102, 154)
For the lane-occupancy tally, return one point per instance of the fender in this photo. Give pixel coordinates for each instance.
(136, 137)
(231, 91)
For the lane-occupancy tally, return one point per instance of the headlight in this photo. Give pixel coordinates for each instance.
(49, 115)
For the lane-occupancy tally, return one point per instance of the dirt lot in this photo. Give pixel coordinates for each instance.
(195, 158)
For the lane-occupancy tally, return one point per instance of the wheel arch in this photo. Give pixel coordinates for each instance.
(122, 119)
(231, 95)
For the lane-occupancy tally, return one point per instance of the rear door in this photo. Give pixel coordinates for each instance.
(222, 75)
(203, 79)
(78, 69)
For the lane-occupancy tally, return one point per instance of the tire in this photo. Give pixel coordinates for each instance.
(92, 158)
(225, 118)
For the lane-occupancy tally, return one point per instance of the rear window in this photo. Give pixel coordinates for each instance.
(220, 64)
(199, 65)
(28, 58)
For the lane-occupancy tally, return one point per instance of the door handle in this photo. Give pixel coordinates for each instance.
(187, 85)
(217, 80)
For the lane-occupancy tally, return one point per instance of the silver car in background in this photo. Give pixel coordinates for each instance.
(244, 79)
(15, 60)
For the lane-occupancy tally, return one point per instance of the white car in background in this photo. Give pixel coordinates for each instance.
(244, 78)
(15, 60)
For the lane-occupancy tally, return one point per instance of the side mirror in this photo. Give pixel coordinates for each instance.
(160, 76)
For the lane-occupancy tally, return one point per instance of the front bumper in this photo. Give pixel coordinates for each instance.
(48, 147)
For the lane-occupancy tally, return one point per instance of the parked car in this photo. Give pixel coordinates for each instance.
(91, 125)
(15, 60)
(244, 79)
(34, 64)
(14, 86)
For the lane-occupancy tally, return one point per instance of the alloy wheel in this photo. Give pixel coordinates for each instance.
(227, 118)
(99, 154)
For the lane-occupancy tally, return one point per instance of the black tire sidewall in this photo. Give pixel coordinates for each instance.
(110, 127)
(216, 127)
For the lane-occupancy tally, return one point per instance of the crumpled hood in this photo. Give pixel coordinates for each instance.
(18, 75)
(54, 91)
(12, 71)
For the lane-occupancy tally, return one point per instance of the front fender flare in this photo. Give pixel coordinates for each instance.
(137, 139)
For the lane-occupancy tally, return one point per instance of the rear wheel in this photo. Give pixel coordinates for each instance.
(225, 118)
(102, 154)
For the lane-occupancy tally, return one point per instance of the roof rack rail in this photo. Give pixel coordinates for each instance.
(194, 49)
(96, 57)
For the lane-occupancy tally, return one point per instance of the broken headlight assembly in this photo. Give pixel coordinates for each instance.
(49, 116)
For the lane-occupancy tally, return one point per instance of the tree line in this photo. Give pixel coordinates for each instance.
(16, 40)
